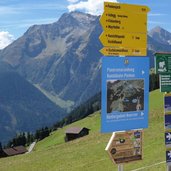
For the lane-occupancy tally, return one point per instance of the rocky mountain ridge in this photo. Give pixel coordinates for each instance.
(59, 57)
(62, 59)
(161, 35)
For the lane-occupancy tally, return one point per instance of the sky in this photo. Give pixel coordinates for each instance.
(16, 16)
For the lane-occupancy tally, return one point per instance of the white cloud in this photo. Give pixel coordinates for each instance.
(5, 39)
(94, 7)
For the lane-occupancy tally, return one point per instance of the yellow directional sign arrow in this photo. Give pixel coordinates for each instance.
(117, 51)
(131, 40)
(124, 22)
(114, 7)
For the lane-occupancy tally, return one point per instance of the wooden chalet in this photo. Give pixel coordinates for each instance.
(75, 132)
(12, 151)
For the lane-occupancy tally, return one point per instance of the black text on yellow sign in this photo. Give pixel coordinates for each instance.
(115, 7)
(125, 29)
(124, 22)
(119, 51)
(130, 40)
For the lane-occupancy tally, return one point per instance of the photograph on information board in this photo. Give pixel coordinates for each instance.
(125, 95)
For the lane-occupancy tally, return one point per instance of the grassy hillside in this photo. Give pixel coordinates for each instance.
(87, 153)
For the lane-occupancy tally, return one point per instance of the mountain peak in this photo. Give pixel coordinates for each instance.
(67, 19)
(160, 35)
(157, 29)
(82, 16)
(77, 19)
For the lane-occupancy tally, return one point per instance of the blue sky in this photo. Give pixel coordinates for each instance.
(16, 16)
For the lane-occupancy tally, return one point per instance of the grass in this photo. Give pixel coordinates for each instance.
(58, 101)
(87, 153)
(156, 100)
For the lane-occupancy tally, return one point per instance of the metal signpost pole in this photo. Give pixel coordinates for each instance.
(120, 167)
(168, 168)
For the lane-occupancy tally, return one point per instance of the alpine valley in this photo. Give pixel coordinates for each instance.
(53, 68)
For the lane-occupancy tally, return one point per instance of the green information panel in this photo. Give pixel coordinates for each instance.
(162, 63)
(165, 82)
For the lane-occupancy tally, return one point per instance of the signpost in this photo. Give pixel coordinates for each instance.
(110, 6)
(125, 81)
(168, 121)
(125, 147)
(167, 111)
(125, 89)
(168, 138)
(163, 67)
(136, 40)
(124, 22)
(167, 103)
(121, 36)
(116, 51)
(168, 158)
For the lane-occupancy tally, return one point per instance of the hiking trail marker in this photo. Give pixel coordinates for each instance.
(125, 29)
(125, 81)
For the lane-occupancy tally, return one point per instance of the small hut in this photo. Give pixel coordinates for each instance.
(12, 151)
(75, 132)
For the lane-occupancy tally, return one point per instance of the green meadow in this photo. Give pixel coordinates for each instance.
(87, 153)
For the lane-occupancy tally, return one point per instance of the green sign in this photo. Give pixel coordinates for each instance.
(162, 63)
(165, 82)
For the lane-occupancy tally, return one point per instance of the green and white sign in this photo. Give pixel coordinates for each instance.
(165, 82)
(162, 63)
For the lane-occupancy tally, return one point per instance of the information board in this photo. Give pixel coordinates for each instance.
(125, 147)
(165, 82)
(125, 90)
(162, 63)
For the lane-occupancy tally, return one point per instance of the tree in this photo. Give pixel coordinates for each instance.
(0, 146)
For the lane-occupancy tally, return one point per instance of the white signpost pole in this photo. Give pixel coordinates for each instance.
(168, 168)
(120, 167)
